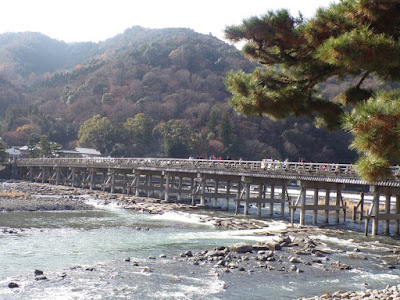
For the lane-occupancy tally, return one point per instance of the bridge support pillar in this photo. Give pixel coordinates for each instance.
(31, 173)
(58, 171)
(92, 179)
(161, 186)
(104, 181)
(327, 200)
(303, 205)
(315, 213)
(167, 183)
(375, 220)
(271, 205)
(73, 176)
(283, 200)
(228, 191)
(397, 211)
(387, 212)
(246, 204)
(216, 183)
(112, 182)
(137, 183)
(239, 189)
(180, 178)
(192, 191)
(124, 182)
(150, 186)
(203, 191)
(261, 194)
(338, 199)
(84, 179)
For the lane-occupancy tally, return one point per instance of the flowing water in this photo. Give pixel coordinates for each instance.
(82, 254)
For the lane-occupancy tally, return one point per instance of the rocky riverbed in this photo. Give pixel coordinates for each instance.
(35, 197)
(388, 293)
(289, 250)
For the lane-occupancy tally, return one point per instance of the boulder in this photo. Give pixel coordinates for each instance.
(294, 260)
(261, 258)
(267, 245)
(241, 248)
(13, 285)
(38, 272)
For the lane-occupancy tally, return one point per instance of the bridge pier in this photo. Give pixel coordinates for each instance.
(178, 187)
(271, 205)
(397, 212)
(216, 184)
(261, 195)
(327, 200)
(228, 191)
(137, 183)
(327, 207)
(261, 198)
(375, 219)
(315, 214)
(303, 198)
(386, 213)
(203, 191)
(166, 191)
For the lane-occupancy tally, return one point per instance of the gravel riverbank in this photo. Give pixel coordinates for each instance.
(36, 197)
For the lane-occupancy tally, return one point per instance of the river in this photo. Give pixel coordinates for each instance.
(113, 253)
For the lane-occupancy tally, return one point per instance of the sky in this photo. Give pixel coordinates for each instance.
(98, 20)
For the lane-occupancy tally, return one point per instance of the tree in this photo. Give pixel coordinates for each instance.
(225, 129)
(107, 98)
(177, 138)
(351, 40)
(375, 125)
(45, 148)
(139, 134)
(3, 153)
(32, 149)
(98, 133)
(213, 119)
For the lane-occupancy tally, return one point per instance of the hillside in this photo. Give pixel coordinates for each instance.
(158, 92)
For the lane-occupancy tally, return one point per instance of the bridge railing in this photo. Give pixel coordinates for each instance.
(321, 169)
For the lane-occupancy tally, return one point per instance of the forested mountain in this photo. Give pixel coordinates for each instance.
(145, 92)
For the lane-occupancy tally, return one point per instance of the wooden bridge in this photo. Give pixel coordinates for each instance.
(264, 183)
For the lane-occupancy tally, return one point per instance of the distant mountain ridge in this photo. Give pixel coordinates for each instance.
(49, 87)
(33, 52)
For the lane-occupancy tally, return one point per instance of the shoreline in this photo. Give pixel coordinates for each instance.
(287, 250)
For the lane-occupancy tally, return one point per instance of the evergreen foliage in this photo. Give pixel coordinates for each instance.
(177, 138)
(45, 148)
(352, 39)
(98, 133)
(3, 153)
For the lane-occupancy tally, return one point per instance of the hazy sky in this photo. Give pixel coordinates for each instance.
(96, 20)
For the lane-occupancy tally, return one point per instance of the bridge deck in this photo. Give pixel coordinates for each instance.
(324, 172)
